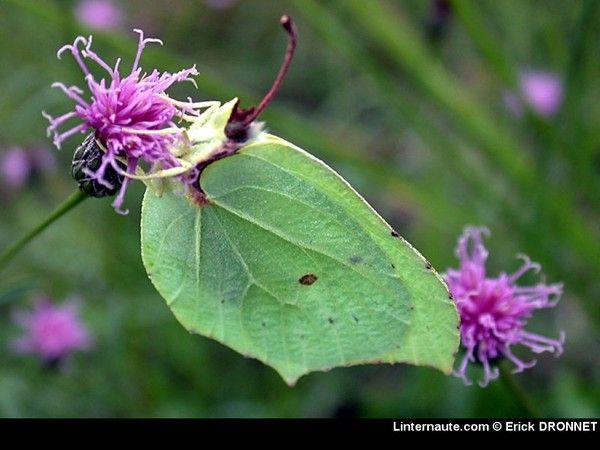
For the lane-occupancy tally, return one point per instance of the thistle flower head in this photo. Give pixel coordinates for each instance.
(15, 167)
(18, 165)
(131, 116)
(543, 91)
(99, 14)
(51, 331)
(495, 311)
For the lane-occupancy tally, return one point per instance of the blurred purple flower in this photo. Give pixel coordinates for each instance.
(132, 116)
(494, 311)
(17, 165)
(99, 14)
(219, 4)
(51, 331)
(542, 92)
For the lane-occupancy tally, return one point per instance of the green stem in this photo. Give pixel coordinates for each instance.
(73, 200)
(517, 390)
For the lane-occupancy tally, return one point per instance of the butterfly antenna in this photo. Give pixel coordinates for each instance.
(288, 25)
(241, 119)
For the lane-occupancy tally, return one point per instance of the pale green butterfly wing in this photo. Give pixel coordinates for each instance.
(289, 265)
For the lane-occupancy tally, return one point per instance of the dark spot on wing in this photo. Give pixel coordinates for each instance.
(356, 259)
(331, 321)
(355, 318)
(264, 324)
(450, 296)
(393, 266)
(427, 265)
(308, 279)
(394, 234)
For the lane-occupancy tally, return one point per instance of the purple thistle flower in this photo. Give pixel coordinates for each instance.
(19, 165)
(99, 14)
(543, 91)
(51, 331)
(494, 311)
(131, 116)
(15, 167)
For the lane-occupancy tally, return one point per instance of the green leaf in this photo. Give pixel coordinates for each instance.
(289, 265)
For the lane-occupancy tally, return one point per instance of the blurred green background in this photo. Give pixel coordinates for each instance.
(405, 104)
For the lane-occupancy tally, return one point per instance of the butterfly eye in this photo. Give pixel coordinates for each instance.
(87, 160)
